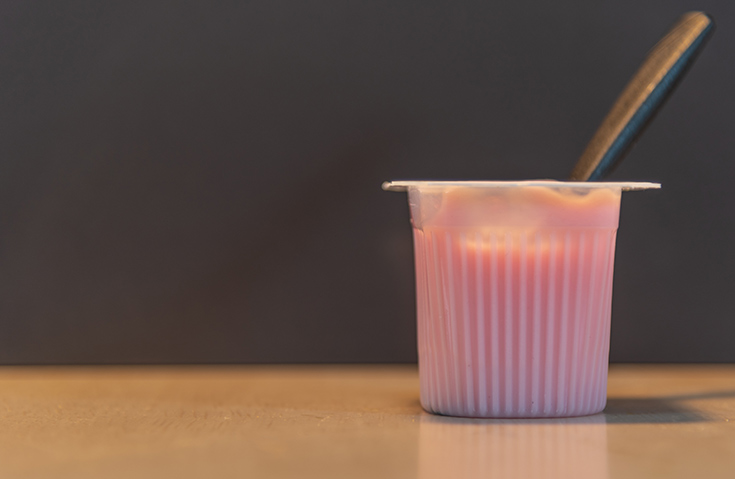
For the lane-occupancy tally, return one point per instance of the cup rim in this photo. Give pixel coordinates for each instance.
(402, 185)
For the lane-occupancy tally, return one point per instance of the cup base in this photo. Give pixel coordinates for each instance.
(565, 413)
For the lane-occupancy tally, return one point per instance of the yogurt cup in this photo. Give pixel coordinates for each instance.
(514, 291)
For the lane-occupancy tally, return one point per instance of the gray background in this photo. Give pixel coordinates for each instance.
(200, 181)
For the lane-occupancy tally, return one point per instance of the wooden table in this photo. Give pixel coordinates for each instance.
(348, 422)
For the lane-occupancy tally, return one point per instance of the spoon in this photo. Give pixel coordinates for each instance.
(649, 88)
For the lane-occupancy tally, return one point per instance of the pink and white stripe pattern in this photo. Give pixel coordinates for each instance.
(514, 323)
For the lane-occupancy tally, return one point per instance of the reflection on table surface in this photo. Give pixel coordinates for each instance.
(558, 448)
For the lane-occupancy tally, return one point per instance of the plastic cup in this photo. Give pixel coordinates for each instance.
(514, 290)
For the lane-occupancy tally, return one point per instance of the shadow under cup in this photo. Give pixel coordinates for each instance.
(514, 289)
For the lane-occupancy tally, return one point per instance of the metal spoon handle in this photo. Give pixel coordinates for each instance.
(652, 84)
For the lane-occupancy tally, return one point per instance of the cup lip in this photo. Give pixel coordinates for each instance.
(402, 185)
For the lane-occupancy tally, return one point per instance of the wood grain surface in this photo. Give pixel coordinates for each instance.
(348, 421)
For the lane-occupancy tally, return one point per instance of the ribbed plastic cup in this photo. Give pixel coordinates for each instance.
(514, 291)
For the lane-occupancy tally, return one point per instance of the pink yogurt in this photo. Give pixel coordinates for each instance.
(514, 290)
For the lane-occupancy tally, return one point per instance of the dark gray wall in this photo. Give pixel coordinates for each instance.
(200, 181)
